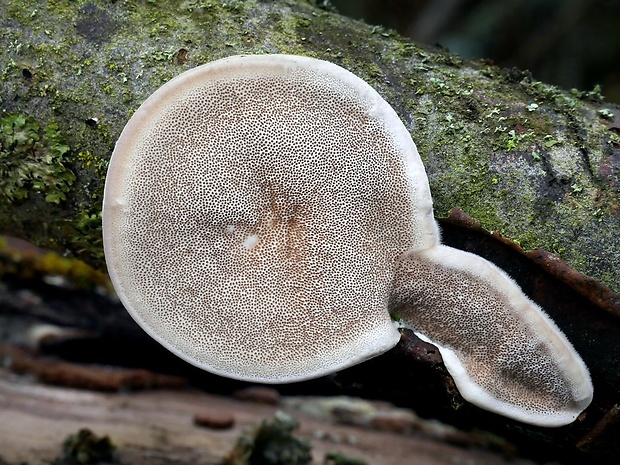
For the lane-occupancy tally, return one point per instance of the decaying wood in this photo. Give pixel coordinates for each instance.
(157, 427)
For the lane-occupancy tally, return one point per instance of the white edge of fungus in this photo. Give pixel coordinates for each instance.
(375, 343)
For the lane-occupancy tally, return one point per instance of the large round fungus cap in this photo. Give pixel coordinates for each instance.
(254, 211)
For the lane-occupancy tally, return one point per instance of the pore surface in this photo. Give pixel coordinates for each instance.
(253, 214)
(504, 353)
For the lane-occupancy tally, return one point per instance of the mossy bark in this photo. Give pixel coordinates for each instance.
(539, 165)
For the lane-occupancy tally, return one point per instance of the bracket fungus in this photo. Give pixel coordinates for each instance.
(264, 214)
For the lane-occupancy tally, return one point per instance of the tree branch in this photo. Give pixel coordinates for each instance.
(535, 163)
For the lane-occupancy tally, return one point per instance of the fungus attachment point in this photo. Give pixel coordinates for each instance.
(262, 212)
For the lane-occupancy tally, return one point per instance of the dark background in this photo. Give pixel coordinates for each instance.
(569, 43)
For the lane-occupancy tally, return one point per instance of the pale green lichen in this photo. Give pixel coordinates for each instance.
(32, 160)
(17, 264)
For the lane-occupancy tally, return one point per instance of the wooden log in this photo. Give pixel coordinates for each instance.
(533, 162)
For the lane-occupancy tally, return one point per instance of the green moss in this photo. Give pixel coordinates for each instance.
(85, 447)
(93, 162)
(271, 442)
(17, 265)
(593, 95)
(336, 458)
(32, 160)
(85, 234)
